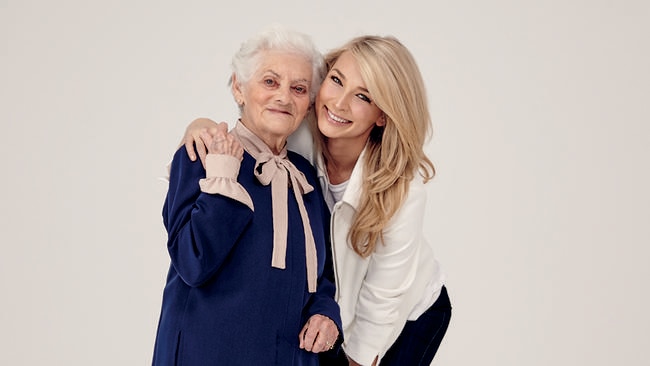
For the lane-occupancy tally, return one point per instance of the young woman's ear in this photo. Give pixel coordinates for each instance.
(381, 121)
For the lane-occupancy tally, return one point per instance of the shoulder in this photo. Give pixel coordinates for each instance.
(181, 164)
(416, 196)
(414, 203)
(417, 189)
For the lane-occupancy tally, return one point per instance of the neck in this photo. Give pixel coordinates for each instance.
(340, 159)
(276, 146)
(275, 143)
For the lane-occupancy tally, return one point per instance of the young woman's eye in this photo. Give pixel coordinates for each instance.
(336, 79)
(364, 98)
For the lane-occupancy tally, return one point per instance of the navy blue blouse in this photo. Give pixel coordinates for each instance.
(223, 303)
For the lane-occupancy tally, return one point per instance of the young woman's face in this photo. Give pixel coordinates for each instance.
(344, 106)
(276, 98)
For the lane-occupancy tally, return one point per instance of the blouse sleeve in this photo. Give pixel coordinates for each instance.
(221, 178)
(202, 227)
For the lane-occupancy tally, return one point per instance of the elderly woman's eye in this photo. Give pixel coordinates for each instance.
(300, 89)
(269, 82)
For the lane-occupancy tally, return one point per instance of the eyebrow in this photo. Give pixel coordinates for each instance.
(343, 77)
(293, 81)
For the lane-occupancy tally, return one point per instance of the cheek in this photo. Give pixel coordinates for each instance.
(302, 105)
(364, 111)
(363, 115)
(318, 103)
(325, 93)
(359, 112)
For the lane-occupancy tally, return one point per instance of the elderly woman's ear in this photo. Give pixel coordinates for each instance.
(237, 93)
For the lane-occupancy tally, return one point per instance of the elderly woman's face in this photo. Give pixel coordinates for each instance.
(276, 98)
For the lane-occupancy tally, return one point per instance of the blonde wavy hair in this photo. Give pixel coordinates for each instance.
(394, 152)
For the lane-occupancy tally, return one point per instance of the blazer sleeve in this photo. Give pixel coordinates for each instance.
(202, 228)
(392, 270)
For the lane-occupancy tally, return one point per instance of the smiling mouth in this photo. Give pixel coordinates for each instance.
(335, 118)
(281, 111)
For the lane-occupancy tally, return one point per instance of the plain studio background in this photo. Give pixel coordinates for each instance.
(540, 211)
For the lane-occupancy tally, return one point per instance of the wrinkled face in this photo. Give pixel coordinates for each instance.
(276, 98)
(344, 106)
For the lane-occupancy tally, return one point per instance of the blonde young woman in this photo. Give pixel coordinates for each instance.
(372, 123)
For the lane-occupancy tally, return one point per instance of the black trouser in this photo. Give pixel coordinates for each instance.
(417, 343)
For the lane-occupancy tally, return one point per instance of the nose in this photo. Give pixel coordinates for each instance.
(283, 94)
(341, 102)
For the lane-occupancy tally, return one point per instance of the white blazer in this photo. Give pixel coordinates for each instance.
(396, 283)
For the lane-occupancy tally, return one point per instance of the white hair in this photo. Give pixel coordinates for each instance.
(278, 38)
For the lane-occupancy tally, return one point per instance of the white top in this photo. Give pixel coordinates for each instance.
(334, 193)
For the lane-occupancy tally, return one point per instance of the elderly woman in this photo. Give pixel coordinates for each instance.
(249, 283)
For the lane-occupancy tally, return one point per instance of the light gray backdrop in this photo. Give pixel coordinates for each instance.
(540, 212)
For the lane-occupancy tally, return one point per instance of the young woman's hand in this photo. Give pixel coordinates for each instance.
(193, 137)
(319, 334)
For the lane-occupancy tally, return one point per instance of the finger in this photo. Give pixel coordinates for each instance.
(319, 344)
(301, 335)
(221, 144)
(212, 130)
(205, 138)
(327, 334)
(202, 143)
(188, 141)
(309, 338)
(222, 126)
(220, 133)
(233, 146)
(324, 342)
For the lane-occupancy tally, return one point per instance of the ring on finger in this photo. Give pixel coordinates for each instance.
(329, 345)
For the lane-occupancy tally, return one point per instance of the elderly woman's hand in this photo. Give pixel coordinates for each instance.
(219, 141)
(319, 334)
